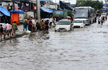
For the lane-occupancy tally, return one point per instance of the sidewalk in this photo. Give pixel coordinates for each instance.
(20, 29)
(19, 33)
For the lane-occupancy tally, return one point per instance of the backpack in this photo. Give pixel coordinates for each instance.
(30, 23)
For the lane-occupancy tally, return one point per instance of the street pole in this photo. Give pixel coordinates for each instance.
(38, 10)
(13, 5)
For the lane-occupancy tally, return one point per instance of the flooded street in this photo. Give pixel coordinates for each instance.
(81, 49)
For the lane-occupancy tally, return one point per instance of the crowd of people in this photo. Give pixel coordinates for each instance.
(30, 24)
(101, 19)
(10, 30)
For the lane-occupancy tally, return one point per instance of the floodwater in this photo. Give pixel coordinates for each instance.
(81, 49)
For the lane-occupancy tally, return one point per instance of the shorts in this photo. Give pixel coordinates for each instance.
(98, 22)
(14, 30)
(1, 35)
(34, 25)
(50, 23)
(43, 27)
(25, 29)
(46, 27)
(8, 31)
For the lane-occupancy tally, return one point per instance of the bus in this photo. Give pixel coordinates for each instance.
(85, 13)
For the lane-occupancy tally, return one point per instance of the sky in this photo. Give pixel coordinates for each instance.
(71, 1)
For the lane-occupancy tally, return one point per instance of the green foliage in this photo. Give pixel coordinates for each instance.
(94, 4)
(69, 13)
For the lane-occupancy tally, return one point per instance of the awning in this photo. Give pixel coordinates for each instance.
(17, 11)
(4, 11)
(105, 4)
(46, 10)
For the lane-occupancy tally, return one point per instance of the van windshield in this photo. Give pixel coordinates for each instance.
(64, 23)
(81, 13)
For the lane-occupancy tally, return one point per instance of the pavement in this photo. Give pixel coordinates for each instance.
(81, 49)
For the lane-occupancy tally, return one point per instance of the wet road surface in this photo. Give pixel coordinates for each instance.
(81, 49)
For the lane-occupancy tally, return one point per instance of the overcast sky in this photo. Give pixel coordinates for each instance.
(71, 1)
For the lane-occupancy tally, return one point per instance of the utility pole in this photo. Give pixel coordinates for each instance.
(38, 10)
(13, 5)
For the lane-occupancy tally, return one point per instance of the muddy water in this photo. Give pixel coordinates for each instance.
(81, 49)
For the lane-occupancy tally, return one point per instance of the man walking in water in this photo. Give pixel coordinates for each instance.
(14, 27)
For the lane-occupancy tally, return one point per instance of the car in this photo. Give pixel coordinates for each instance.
(80, 22)
(64, 25)
(103, 14)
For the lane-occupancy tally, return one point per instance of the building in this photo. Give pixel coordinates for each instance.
(51, 6)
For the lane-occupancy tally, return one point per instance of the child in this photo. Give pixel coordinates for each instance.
(25, 26)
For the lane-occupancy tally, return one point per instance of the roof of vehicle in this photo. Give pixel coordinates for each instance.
(65, 20)
(80, 19)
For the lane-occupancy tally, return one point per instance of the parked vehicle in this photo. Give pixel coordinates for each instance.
(79, 23)
(64, 25)
(86, 13)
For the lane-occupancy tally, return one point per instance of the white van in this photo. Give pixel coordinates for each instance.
(80, 23)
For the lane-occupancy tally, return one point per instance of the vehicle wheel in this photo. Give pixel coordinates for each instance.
(55, 30)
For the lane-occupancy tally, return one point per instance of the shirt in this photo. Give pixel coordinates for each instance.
(8, 27)
(50, 20)
(99, 19)
(25, 25)
(14, 26)
(33, 22)
(43, 24)
(1, 30)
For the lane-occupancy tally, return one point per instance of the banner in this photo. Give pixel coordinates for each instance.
(21, 17)
(26, 6)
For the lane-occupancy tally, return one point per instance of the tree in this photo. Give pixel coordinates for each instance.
(94, 4)
(69, 13)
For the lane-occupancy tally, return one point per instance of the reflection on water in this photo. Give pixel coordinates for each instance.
(10, 42)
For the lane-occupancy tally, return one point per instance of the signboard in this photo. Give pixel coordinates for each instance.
(16, 7)
(26, 6)
(34, 6)
(21, 17)
(60, 13)
(14, 17)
